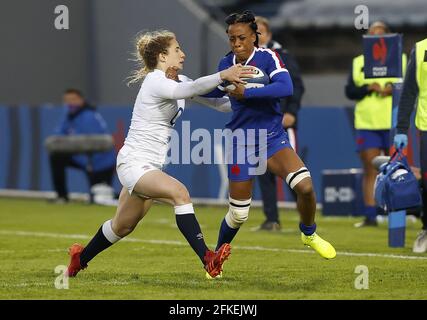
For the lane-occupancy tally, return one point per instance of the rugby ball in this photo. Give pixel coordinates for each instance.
(257, 80)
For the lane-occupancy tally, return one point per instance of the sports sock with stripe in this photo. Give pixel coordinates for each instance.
(103, 239)
(190, 228)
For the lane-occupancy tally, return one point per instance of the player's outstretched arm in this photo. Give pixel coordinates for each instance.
(219, 104)
(216, 93)
(280, 87)
(214, 99)
(170, 89)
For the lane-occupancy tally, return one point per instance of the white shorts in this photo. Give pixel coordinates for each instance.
(131, 169)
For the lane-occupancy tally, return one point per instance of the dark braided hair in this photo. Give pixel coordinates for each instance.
(245, 17)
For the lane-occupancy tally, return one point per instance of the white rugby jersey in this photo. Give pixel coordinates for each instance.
(159, 104)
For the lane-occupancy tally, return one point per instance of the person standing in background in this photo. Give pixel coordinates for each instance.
(415, 86)
(290, 107)
(372, 121)
(81, 118)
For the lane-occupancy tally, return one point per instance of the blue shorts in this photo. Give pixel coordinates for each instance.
(370, 139)
(252, 161)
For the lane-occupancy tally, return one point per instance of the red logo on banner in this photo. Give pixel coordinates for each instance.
(235, 170)
(379, 50)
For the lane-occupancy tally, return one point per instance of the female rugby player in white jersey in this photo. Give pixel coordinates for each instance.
(159, 103)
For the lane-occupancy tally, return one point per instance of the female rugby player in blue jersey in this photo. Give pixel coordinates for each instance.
(259, 109)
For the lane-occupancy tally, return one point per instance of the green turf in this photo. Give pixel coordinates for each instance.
(144, 270)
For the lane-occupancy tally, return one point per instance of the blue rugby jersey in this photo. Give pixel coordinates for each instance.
(260, 109)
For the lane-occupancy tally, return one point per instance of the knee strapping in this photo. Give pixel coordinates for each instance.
(238, 212)
(296, 177)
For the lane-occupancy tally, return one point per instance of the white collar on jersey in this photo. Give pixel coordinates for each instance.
(247, 61)
(158, 70)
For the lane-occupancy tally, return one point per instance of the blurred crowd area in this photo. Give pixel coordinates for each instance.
(95, 53)
(322, 34)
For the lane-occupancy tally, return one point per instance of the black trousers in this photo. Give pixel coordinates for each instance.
(423, 163)
(268, 186)
(59, 162)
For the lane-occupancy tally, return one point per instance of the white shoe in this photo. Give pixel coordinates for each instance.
(420, 244)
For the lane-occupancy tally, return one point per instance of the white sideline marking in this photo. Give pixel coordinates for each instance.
(25, 284)
(180, 243)
(49, 284)
(282, 231)
(83, 197)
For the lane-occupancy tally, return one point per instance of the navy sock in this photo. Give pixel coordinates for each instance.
(371, 213)
(190, 228)
(98, 243)
(307, 230)
(226, 234)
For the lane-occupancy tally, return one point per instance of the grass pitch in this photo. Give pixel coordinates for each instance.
(156, 262)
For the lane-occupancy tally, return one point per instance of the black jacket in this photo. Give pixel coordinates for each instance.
(290, 104)
(408, 97)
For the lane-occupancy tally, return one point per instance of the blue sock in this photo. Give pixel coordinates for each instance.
(371, 213)
(307, 230)
(226, 234)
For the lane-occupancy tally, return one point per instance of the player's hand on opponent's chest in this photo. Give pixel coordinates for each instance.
(238, 93)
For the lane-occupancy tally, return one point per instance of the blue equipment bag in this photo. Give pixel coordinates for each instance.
(396, 187)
